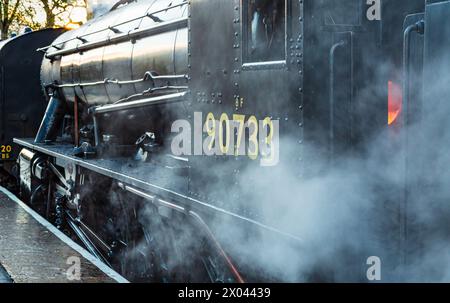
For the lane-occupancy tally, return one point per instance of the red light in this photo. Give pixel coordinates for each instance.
(395, 102)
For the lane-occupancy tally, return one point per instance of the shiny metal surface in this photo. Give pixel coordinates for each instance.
(91, 69)
(121, 46)
(69, 67)
(117, 65)
(181, 50)
(147, 77)
(66, 66)
(178, 97)
(161, 61)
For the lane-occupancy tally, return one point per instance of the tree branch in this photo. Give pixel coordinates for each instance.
(14, 12)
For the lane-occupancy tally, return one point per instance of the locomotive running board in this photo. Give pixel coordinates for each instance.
(173, 189)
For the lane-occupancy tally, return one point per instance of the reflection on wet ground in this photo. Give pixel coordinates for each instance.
(29, 252)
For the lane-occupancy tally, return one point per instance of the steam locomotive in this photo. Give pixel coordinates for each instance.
(95, 112)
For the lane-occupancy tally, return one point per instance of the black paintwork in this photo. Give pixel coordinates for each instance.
(22, 101)
(296, 92)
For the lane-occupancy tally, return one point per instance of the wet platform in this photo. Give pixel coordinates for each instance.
(34, 251)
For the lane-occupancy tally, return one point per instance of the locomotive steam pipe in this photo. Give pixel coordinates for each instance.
(53, 118)
(96, 133)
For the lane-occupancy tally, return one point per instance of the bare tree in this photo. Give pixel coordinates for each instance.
(15, 14)
(54, 8)
(8, 15)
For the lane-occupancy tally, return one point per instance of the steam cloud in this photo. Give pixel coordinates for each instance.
(349, 212)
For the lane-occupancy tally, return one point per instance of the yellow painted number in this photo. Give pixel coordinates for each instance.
(252, 125)
(267, 122)
(224, 146)
(240, 131)
(210, 126)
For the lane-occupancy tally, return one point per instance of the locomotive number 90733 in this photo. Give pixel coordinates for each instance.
(242, 135)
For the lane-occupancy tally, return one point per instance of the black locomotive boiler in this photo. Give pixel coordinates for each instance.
(261, 81)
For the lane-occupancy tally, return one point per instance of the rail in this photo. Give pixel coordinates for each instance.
(331, 92)
(147, 76)
(419, 28)
(178, 97)
(131, 35)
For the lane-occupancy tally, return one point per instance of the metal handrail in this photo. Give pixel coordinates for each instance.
(110, 27)
(181, 22)
(418, 27)
(148, 76)
(331, 92)
(151, 91)
(177, 97)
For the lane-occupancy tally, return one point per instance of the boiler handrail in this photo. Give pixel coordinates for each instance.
(111, 27)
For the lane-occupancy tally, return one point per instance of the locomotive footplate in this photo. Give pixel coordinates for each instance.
(167, 181)
(164, 178)
(32, 250)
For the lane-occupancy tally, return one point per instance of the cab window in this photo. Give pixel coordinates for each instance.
(264, 30)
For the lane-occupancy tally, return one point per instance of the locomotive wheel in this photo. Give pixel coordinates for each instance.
(131, 258)
(113, 218)
(147, 243)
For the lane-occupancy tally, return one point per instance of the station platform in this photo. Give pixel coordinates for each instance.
(34, 251)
